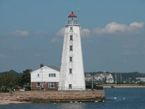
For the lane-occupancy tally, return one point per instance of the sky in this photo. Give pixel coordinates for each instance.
(112, 34)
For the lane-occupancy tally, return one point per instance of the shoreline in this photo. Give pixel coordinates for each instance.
(118, 86)
(17, 97)
(8, 101)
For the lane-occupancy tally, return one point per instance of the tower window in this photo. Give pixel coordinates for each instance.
(38, 75)
(71, 37)
(70, 59)
(71, 28)
(70, 86)
(70, 71)
(70, 47)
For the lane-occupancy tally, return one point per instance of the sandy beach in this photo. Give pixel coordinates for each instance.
(8, 101)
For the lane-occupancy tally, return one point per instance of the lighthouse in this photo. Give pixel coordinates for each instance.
(72, 68)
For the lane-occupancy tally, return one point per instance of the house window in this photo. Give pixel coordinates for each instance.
(52, 75)
(71, 28)
(38, 75)
(71, 37)
(70, 47)
(70, 59)
(52, 85)
(70, 86)
(38, 84)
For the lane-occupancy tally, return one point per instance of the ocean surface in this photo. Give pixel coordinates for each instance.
(119, 98)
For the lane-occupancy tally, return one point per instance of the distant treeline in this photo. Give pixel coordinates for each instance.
(13, 72)
(14, 79)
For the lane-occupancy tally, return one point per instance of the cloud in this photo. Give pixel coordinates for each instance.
(60, 32)
(4, 56)
(56, 40)
(138, 25)
(85, 32)
(42, 32)
(37, 55)
(112, 28)
(1, 55)
(127, 52)
(16, 48)
(19, 33)
(125, 61)
(132, 45)
(115, 27)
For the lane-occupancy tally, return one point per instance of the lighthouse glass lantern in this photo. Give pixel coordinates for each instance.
(72, 18)
(72, 68)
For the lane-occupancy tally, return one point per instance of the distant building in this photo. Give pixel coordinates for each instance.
(100, 77)
(139, 79)
(133, 81)
(88, 77)
(109, 78)
(124, 81)
(46, 77)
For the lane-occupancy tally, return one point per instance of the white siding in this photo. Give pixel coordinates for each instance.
(98, 78)
(110, 79)
(44, 75)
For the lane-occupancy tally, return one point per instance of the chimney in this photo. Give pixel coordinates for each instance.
(41, 65)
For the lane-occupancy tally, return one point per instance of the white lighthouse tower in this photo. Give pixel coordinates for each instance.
(72, 69)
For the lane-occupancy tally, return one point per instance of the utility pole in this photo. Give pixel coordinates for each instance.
(120, 78)
(93, 81)
(115, 78)
(42, 76)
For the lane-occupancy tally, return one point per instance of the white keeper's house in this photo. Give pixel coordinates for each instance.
(46, 77)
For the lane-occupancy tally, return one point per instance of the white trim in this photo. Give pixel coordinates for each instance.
(52, 83)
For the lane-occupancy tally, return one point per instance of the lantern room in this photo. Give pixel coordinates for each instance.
(72, 18)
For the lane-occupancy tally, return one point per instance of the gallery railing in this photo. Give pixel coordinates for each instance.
(72, 22)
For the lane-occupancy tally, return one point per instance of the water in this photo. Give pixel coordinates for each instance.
(120, 98)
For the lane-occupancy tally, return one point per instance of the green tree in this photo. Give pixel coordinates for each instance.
(18, 81)
(25, 78)
(7, 80)
(141, 83)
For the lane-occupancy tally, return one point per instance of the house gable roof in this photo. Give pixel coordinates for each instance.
(54, 68)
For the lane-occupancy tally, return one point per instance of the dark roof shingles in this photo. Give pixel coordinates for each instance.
(55, 68)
